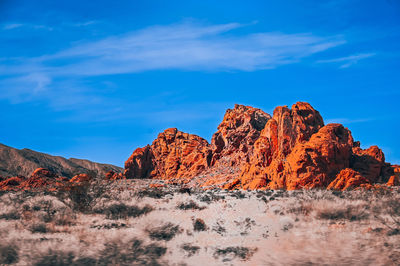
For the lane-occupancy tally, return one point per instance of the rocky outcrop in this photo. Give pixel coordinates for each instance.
(172, 154)
(252, 150)
(236, 135)
(347, 179)
(14, 162)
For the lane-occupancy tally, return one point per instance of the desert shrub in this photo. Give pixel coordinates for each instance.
(132, 253)
(190, 249)
(38, 228)
(219, 228)
(122, 211)
(164, 232)
(243, 253)
(300, 208)
(185, 190)
(349, 213)
(210, 197)
(55, 258)
(81, 197)
(387, 212)
(13, 215)
(191, 205)
(8, 254)
(238, 194)
(199, 225)
(155, 193)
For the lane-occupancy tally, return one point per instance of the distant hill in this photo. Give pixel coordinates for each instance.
(23, 162)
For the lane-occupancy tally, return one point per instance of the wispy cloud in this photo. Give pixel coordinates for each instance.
(184, 46)
(346, 121)
(12, 26)
(348, 60)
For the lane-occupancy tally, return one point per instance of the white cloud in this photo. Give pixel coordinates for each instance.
(346, 121)
(12, 26)
(184, 46)
(348, 60)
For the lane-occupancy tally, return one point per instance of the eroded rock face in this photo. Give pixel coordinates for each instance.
(81, 178)
(368, 162)
(236, 135)
(172, 154)
(268, 165)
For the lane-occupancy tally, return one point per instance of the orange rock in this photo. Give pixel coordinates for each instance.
(237, 134)
(394, 180)
(347, 179)
(252, 150)
(273, 164)
(172, 154)
(368, 162)
(111, 175)
(11, 183)
(81, 178)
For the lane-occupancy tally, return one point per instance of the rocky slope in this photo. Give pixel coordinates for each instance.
(15, 162)
(293, 149)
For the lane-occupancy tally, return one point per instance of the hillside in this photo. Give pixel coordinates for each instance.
(14, 162)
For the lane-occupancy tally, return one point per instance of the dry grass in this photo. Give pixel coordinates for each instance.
(125, 223)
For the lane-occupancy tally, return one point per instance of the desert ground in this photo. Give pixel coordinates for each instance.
(127, 222)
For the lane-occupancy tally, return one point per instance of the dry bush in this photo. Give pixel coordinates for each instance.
(190, 249)
(199, 225)
(131, 253)
(349, 213)
(244, 253)
(155, 193)
(39, 228)
(55, 258)
(13, 215)
(191, 205)
(164, 232)
(8, 254)
(209, 197)
(122, 211)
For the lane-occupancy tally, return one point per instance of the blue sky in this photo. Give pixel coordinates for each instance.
(96, 79)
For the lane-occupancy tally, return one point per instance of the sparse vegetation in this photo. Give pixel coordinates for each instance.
(315, 227)
(191, 205)
(243, 253)
(190, 249)
(8, 254)
(122, 211)
(164, 232)
(199, 225)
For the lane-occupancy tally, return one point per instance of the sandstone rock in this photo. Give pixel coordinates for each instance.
(252, 150)
(81, 178)
(268, 166)
(394, 180)
(12, 183)
(368, 162)
(347, 179)
(111, 175)
(236, 135)
(172, 154)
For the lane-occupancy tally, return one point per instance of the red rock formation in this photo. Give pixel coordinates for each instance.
(172, 154)
(251, 150)
(237, 134)
(348, 179)
(268, 166)
(12, 183)
(368, 162)
(111, 175)
(81, 178)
